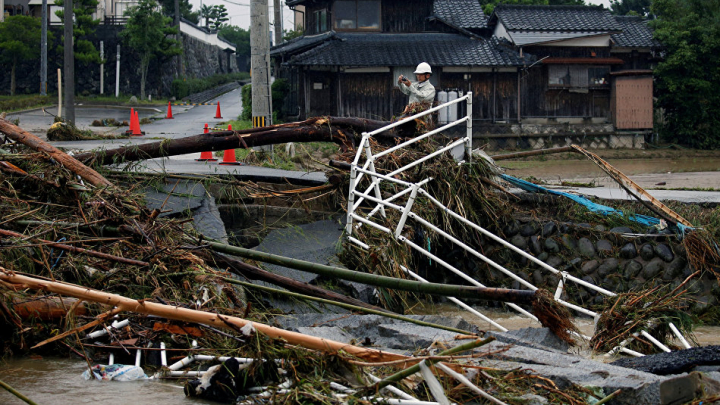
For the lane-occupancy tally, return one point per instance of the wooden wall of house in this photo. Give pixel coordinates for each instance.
(539, 100)
(320, 93)
(310, 9)
(567, 52)
(634, 60)
(369, 95)
(494, 94)
(397, 15)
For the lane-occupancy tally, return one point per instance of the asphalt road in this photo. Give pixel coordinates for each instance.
(187, 121)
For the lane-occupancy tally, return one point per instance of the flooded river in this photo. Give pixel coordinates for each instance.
(59, 380)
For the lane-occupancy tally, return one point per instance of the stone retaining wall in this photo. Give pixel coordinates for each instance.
(200, 60)
(606, 258)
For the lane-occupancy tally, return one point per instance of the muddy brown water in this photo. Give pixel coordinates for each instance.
(570, 170)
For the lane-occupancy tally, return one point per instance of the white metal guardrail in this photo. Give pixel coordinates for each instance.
(403, 201)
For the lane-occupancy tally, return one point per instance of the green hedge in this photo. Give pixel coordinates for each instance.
(182, 88)
(280, 89)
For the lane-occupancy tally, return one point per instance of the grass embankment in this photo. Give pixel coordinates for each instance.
(28, 101)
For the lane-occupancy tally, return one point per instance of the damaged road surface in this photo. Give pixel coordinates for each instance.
(136, 276)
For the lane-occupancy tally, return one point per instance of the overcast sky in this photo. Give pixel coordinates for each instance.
(240, 14)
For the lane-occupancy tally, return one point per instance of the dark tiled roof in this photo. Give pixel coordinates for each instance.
(466, 14)
(437, 49)
(635, 33)
(554, 18)
(306, 41)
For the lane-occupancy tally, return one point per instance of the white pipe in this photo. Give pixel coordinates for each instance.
(163, 354)
(418, 115)
(104, 331)
(679, 335)
(473, 252)
(357, 242)
(393, 389)
(117, 73)
(182, 363)
(464, 276)
(368, 222)
(420, 138)
(514, 248)
(138, 354)
(468, 383)
(655, 342)
(379, 201)
(111, 359)
(398, 195)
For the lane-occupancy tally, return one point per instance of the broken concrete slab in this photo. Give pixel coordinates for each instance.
(377, 330)
(638, 387)
(538, 338)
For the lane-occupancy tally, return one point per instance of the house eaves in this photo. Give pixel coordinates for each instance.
(526, 38)
(437, 49)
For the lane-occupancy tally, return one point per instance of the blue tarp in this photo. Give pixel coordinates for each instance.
(596, 208)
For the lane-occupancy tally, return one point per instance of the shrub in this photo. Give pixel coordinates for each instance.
(279, 89)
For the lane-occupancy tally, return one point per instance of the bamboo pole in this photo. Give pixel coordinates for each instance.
(17, 134)
(494, 294)
(16, 393)
(414, 369)
(624, 181)
(190, 315)
(346, 306)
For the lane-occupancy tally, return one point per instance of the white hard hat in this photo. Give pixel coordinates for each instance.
(423, 68)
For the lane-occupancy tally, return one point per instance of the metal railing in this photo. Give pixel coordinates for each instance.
(403, 201)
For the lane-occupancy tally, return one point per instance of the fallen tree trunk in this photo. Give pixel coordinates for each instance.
(18, 135)
(343, 131)
(189, 315)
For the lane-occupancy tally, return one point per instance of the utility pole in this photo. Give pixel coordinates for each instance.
(43, 50)
(260, 63)
(69, 62)
(179, 58)
(277, 11)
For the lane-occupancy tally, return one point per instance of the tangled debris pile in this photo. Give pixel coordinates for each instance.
(69, 231)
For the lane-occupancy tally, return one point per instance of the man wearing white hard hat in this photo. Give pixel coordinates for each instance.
(422, 91)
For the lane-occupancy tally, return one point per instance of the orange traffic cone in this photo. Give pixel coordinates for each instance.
(136, 128)
(229, 154)
(217, 112)
(131, 125)
(169, 112)
(206, 156)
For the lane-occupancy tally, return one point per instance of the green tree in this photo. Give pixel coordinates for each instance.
(631, 7)
(688, 78)
(148, 33)
(168, 7)
(83, 28)
(489, 5)
(206, 13)
(237, 36)
(218, 16)
(19, 40)
(288, 35)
